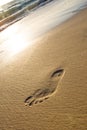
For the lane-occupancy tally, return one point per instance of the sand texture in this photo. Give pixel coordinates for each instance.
(45, 86)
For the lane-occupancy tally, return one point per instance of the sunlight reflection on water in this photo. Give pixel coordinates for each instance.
(13, 42)
(21, 35)
(16, 44)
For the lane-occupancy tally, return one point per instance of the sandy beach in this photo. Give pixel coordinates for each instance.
(45, 86)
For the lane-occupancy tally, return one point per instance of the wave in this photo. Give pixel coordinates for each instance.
(17, 10)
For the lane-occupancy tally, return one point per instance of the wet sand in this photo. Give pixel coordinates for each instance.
(45, 86)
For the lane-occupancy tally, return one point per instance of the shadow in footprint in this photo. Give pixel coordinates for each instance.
(44, 93)
(57, 72)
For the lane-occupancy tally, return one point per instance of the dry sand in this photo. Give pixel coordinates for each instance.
(55, 69)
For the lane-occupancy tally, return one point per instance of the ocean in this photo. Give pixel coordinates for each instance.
(56, 9)
(21, 29)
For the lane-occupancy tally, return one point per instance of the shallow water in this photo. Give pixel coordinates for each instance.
(22, 34)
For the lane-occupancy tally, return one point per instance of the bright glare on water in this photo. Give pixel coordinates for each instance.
(19, 36)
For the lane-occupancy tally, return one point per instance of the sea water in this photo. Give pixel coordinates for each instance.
(54, 11)
(33, 23)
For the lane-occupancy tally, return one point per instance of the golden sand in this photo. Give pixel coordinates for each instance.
(55, 70)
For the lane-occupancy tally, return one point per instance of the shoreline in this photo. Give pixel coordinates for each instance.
(69, 12)
(56, 62)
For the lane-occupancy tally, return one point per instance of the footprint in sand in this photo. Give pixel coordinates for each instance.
(44, 93)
